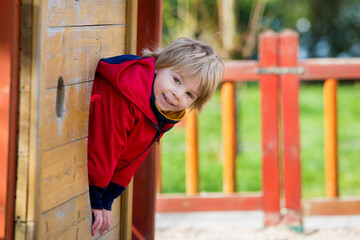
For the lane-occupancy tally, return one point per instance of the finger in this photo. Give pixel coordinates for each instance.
(105, 225)
(96, 229)
(102, 229)
(108, 223)
(97, 224)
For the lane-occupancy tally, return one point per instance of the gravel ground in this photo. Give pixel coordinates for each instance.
(248, 226)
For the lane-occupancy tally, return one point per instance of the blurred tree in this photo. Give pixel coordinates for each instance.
(189, 18)
(227, 24)
(327, 28)
(335, 28)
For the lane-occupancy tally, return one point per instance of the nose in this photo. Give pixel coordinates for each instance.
(178, 94)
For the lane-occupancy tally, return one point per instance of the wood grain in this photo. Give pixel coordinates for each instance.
(65, 221)
(72, 220)
(73, 125)
(127, 196)
(113, 233)
(64, 170)
(90, 12)
(126, 211)
(24, 115)
(61, 39)
(73, 53)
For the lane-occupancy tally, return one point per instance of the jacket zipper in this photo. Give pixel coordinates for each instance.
(156, 138)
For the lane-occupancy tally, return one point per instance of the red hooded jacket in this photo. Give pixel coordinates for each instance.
(122, 125)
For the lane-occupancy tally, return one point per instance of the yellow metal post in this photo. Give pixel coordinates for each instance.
(229, 136)
(330, 139)
(192, 155)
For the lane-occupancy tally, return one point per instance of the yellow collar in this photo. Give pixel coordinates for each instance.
(174, 116)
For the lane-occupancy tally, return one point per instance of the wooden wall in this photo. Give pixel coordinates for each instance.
(61, 43)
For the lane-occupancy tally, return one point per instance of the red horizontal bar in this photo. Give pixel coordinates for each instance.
(331, 206)
(208, 202)
(323, 68)
(240, 70)
(314, 69)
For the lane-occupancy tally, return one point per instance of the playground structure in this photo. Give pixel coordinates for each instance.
(50, 50)
(53, 46)
(279, 73)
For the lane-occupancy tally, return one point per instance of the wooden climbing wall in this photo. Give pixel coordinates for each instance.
(61, 43)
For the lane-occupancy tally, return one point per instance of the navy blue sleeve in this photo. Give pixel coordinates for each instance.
(112, 191)
(120, 59)
(96, 194)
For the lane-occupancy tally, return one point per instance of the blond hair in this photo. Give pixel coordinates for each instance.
(192, 59)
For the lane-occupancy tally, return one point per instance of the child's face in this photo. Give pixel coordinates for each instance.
(173, 92)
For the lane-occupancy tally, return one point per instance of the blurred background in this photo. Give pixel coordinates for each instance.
(327, 29)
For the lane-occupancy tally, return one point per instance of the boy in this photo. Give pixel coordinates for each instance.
(133, 102)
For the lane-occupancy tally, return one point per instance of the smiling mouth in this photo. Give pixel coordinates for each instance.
(167, 100)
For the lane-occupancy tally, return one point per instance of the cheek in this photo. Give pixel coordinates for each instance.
(188, 102)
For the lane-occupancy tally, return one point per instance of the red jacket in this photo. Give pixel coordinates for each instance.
(122, 123)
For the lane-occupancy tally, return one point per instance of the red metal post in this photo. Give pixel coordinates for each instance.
(144, 195)
(269, 85)
(288, 47)
(9, 87)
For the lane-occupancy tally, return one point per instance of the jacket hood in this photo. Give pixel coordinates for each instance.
(133, 77)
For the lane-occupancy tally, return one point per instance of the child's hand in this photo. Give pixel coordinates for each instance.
(98, 221)
(106, 216)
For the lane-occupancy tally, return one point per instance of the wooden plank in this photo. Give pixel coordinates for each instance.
(130, 48)
(288, 45)
(331, 138)
(72, 220)
(112, 234)
(323, 68)
(24, 115)
(73, 125)
(229, 135)
(208, 202)
(236, 70)
(35, 140)
(314, 69)
(148, 32)
(131, 26)
(90, 12)
(2, 222)
(126, 212)
(149, 24)
(73, 53)
(20, 230)
(332, 206)
(68, 220)
(192, 153)
(269, 85)
(64, 170)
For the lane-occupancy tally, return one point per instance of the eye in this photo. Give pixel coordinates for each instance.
(189, 95)
(176, 80)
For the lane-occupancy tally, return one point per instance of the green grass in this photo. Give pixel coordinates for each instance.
(248, 167)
